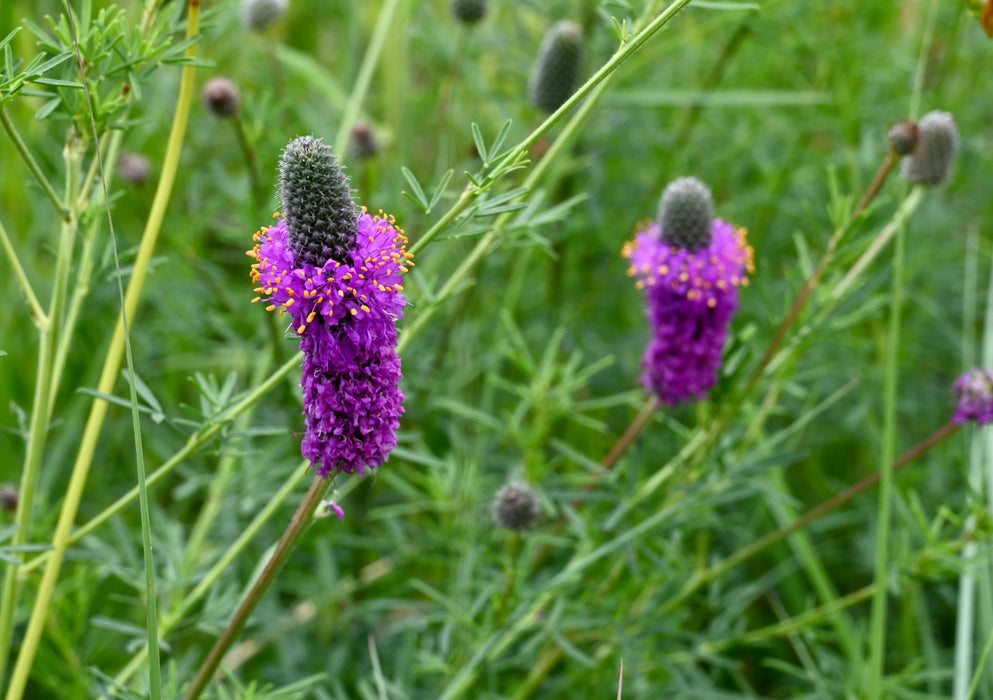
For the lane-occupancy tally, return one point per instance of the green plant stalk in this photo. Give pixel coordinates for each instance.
(39, 316)
(50, 333)
(175, 616)
(39, 176)
(301, 519)
(112, 362)
(983, 658)
(366, 70)
(84, 265)
(877, 624)
(792, 625)
(193, 443)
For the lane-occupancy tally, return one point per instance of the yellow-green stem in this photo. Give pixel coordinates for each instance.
(39, 316)
(112, 363)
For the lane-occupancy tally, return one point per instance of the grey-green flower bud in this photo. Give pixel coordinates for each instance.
(557, 70)
(317, 202)
(221, 97)
(686, 214)
(516, 506)
(931, 160)
(468, 11)
(259, 14)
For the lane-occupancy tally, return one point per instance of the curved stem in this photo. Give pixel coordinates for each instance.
(39, 316)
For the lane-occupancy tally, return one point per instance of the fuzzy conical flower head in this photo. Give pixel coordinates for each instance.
(516, 506)
(317, 202)
(974, 394)
(930, 161)
(557, 69)
(692, 295)
(345, 310)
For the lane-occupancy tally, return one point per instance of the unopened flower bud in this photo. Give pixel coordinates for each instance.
(686, 214)
(259, 14)
(468, 11)
(557, 70)
(9, 496)
(134, 168)
(516, 506)
(974, 394)
(931, 160)
(903, 137)
(317, 202)
(221, 97)
(362, 143)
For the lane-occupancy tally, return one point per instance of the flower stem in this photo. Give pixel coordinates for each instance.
(112, 363)
(286, 543)
(811, 284)
(877, 624)
(633, 430)
(22, 149)
(250, 159)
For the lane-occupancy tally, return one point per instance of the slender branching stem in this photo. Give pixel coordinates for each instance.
(37, 313)
(39, 176)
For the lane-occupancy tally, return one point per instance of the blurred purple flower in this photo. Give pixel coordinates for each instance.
(692, 296)
(974, 393)
(345, 314)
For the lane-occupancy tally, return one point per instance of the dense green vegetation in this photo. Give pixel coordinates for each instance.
(521, 351)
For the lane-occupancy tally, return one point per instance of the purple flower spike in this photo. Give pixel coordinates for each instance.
(692, 296)
(974, 393)
(345, 314)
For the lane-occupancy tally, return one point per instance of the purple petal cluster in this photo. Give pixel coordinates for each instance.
(974, 394)
(692, 296)
(345, 314)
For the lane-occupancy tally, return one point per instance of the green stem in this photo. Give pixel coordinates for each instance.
(193, 444)
(112, 363)
(41, 411)
(40, 319)
(792, 625)
(39, 176)
(877, 628)
(368, 67)
(174, 617)
(300, 520)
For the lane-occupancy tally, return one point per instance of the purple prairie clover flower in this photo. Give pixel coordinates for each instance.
(345, 313)
(692, 296)
(974, 393)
